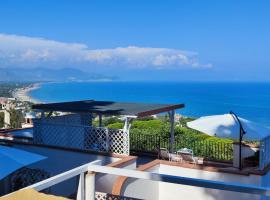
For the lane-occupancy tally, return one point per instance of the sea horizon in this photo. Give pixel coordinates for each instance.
(248, 99)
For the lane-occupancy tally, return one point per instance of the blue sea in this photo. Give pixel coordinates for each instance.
(248, 100)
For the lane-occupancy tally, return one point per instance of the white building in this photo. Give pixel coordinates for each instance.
(28, 120)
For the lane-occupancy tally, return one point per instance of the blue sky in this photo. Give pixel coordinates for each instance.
(148, 40)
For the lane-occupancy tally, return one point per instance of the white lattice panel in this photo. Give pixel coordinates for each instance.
(82, 137)
(100, 196)
(119, 141)
(105, 196)
(59, 135)
(96, 139)
(70, 119)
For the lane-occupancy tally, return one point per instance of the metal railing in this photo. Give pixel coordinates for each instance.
(204, 148)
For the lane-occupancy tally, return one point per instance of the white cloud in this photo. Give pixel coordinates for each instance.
(27, 51)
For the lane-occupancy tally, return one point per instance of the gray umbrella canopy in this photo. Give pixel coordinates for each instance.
(12, 159)
(227, 126)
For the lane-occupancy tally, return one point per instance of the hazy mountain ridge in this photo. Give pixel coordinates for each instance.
(46, 74)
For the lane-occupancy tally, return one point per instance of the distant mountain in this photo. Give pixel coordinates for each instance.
(46, 74)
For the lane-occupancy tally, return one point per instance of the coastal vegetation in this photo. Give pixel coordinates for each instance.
(7, 88)
(1, 119)
(161, 127)
(16, 118)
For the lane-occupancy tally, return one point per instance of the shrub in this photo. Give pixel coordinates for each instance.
(147, 124)
(183, 121)
(116, 125)
(110, 120)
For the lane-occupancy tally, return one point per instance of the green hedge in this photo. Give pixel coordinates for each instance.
(161, 128)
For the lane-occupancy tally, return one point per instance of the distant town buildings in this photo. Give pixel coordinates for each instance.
(9, 104)
(28, 120)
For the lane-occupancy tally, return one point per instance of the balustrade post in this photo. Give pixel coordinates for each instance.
(81, 188)
(107, 140)
(90, 186)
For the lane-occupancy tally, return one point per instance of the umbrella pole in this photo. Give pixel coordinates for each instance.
(171, 115)
(241, 133)
(240, 150)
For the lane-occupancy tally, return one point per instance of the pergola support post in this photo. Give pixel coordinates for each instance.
(126, 129)
(171, 116)
(42, 115)
(100, 120)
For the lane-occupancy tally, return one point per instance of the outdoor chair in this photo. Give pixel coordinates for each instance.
(165, 155)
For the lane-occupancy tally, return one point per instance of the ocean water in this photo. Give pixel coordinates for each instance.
(248, 100)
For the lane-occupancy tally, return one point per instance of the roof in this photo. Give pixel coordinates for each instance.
(109, 107)
(29, 193)
(30, 115)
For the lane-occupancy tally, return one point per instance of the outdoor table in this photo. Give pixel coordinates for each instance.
(185, 151)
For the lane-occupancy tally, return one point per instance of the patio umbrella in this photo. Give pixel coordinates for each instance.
(230, 126)
(12, 159)
(227, 126)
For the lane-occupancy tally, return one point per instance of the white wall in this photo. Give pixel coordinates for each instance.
(105, 182)
(168, 191)
(247, 151)
(141, 189)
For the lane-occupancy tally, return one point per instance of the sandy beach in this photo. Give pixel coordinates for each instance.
(22, 94)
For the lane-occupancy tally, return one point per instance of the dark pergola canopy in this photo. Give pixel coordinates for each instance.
(109, 107)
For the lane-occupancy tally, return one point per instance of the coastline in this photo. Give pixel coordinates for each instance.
(200, 99)
(22, 94)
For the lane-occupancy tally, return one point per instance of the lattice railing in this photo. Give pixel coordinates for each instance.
(106, 196)
(81, 137)
(119, 141)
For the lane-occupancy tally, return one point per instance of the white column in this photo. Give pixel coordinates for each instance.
(6, 119)
(126, 132)
(90, 186)
(7, 116)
